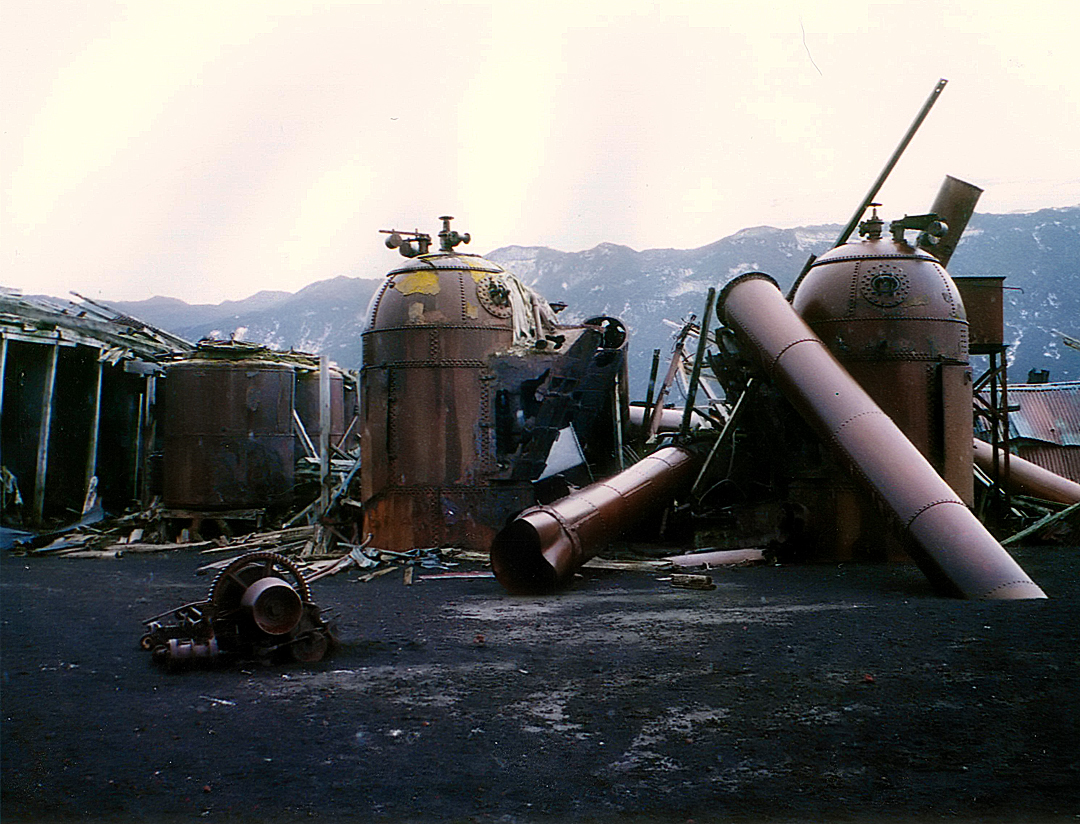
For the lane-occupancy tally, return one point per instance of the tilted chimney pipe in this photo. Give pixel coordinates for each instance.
(946, 540)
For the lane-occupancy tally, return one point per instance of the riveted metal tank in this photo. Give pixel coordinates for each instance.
(228, 441)
(894, 318)
(307, 405)
(428, 429)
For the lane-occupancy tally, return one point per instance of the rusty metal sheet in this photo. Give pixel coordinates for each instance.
(1061, 460)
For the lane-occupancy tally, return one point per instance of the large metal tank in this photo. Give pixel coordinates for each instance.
(427, 395)
(228, 439)
(894, 318)
(307, 405)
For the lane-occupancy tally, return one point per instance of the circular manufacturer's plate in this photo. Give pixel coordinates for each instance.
(494, 295)
(885, 285)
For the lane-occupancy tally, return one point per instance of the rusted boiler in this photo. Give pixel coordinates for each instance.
(955, 551)
(890, 313)
(228, 433)
(471, 392)
(894, 319)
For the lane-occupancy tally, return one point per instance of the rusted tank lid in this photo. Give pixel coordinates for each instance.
(414, 246)
(875, 248)
(440, 260)
(873, 245)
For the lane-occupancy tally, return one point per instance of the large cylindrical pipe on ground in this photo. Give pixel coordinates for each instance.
(543, 547)
(948, 542)
(1027, 478)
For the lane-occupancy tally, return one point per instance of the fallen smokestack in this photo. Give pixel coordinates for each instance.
(947, 541)
(544, 546)
(1027, 478)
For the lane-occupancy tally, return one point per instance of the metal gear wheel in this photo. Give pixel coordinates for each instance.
(229, 586)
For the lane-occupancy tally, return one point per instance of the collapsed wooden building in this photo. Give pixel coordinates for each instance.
(89, 422)
(77, 407)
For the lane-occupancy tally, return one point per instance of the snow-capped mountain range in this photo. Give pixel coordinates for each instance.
(1038, 252)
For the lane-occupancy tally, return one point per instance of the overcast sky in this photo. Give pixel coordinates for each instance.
(207, 151)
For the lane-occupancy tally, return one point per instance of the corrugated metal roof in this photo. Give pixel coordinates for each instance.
(1048, 412)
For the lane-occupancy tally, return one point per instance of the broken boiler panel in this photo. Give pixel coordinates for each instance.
(460, 359)
(539, 398)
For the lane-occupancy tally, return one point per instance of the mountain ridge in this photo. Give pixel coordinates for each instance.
(1037, 251)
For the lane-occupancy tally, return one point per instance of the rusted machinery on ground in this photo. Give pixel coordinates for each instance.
(849, 426)
(473, 395)
(850, 440)
(259, 608)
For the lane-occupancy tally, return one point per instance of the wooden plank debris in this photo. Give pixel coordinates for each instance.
(724, 557)
(1042, 524)
(692, 581)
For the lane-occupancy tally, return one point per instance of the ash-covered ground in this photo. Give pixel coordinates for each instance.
(820, 693)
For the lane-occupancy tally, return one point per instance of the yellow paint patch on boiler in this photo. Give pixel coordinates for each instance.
(471, 310)
(424, 282)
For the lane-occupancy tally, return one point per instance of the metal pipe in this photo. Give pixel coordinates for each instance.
(947, 541)
(1027, 478)
(954, 204)
(95, 433)
(620, 429)
(3, 377)
(324, 434)
(652, 379)
(541, 549)
(872, 194)
(661, 393)
(669, 419)
(728, 427)
(845, 233)
(148, 435)
(695, 374)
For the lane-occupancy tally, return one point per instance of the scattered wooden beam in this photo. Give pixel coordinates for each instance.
(692, 581)
(1041, 524)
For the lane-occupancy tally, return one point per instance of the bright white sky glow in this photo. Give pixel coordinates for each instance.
(209, 150)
